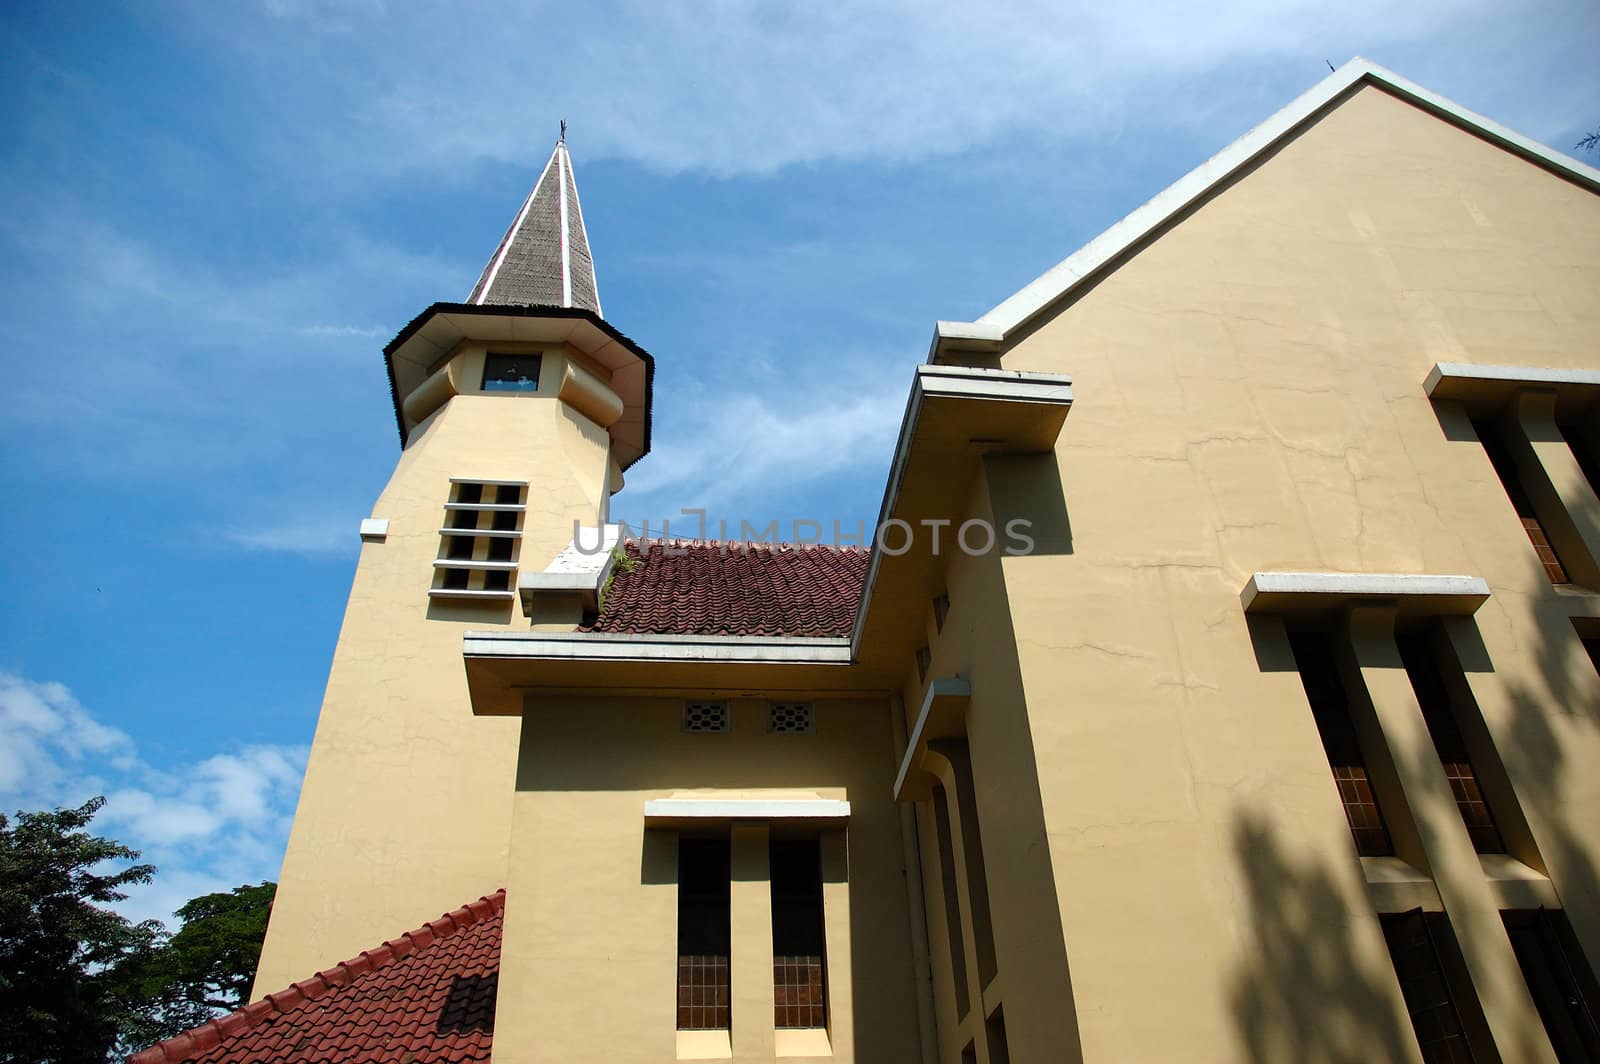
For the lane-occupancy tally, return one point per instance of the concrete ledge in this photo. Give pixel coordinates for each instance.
(374, 528)
(660, 812)
(1289, 592)
(1451, 377)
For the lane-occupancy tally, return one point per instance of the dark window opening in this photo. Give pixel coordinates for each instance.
(1319, 673)
(500, 550)
(995, 1034)
(1440, 715)
(1586, 451)
(1560, 980)
(504, 521)
(798, 953)
(952, 905)
(497, 580)
(1591, 643)
(508, 494)
(463, 519)
(470, 494)
(703, 934)
(458, 547)
(510, 373)
(1505, 467)
(456, 579)
(1434, 983)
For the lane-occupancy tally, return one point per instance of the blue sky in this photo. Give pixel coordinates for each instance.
(216, 215)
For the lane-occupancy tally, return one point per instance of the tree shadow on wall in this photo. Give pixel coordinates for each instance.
(1304, 996)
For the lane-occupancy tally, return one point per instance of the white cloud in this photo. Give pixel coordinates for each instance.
(316, 536)
(208, 825)
(734, 88)
(713, 445)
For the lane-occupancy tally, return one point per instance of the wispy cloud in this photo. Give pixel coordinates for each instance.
(342, 330)
(736, 88)
(314, 537)
(207, 825)
(717, 443)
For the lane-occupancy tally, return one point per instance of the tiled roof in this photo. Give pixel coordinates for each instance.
(424, 998)
(732, 588)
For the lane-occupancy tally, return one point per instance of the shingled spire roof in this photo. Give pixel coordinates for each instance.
(544, 257)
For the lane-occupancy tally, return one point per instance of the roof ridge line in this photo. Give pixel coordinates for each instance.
(1127, 233)
(740, 544)
(211, 1033)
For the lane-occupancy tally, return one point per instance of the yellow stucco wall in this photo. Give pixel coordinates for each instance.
(1249, 396)
(589, 968)
(405, 812)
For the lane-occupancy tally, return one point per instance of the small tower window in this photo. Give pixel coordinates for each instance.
(511, 373)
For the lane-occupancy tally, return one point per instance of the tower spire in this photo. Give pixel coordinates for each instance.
(544, 258)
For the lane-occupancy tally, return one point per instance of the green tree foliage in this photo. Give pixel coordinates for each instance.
(79, 983)
(206, 968)
(64, 991)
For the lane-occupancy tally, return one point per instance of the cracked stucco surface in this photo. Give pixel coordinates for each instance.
(1249, 396)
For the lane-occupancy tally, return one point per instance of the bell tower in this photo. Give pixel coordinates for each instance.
(518, 412)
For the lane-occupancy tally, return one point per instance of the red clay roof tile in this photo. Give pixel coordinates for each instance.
(425, 998)
(733, 588)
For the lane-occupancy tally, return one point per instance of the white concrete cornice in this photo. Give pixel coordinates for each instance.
(1446, 376)
(677, 810)
(1060, 280)
(1291, 592)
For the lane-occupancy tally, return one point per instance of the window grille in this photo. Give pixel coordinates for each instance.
(706, 717)
(790, 718)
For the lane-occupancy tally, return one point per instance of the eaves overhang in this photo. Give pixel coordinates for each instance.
(503, 667)
(955, 417)
(428, 337)
(996, 330)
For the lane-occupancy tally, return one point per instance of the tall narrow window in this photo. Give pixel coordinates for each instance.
(952, 904)
(1505, 467)
(1561, 981)
(1434, 983)
(1331, 708)
(703, 934)
(1423, 669)
(798, 953)
(994, 1030)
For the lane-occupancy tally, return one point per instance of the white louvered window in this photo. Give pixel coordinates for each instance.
(706, 717)
(480, 540)
(790, 718)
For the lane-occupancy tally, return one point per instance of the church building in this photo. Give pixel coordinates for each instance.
(1222, 683)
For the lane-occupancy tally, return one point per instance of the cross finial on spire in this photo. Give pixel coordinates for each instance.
(563, 131)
